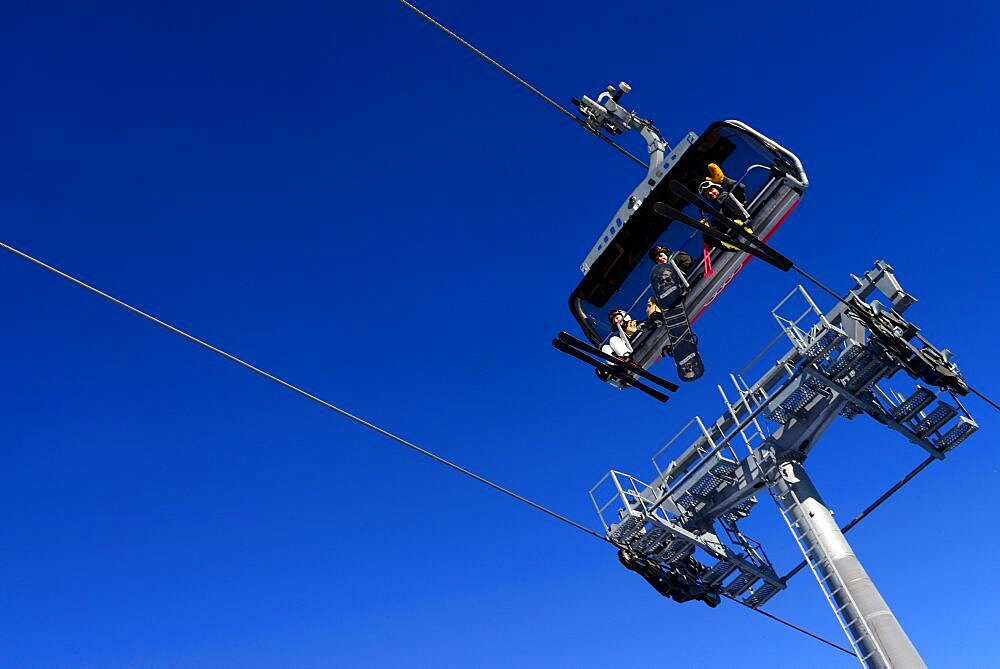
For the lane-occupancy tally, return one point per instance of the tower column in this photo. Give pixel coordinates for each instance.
(864, 614)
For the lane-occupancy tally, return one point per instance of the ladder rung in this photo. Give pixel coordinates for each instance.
(741, 584)
(957, 434)
(718, 572)
(935, 419)
(913, 405)
(762, 594)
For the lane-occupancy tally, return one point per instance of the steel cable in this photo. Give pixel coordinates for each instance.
(347, 414)
(524, 83)
(871, 507)
(296, 389)
(794, 627)
(583, 124)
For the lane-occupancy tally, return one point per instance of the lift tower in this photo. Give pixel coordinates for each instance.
(839, 366)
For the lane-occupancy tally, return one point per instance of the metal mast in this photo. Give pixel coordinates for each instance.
(836, 368)
(875, 634)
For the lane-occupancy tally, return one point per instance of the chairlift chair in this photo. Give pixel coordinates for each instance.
(616, 270)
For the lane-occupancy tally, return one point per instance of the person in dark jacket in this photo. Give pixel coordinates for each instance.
(730, 196)
(661, 255)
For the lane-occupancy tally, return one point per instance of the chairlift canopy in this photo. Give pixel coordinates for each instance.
(616, 271)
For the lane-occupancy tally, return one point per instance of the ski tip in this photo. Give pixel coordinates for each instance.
(678, 188)
(662, 209)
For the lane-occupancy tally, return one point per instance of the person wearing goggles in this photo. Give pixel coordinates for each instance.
(730, 197)
(623, 329)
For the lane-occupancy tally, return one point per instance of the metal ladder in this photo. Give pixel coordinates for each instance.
(833, 583)
(753, 435)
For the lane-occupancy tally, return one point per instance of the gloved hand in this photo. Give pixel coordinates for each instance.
(715, 173)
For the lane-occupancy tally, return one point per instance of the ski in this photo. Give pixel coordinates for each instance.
(578, 344)
(735, 232)
(732, 233)
(667, 211)
(619, 372)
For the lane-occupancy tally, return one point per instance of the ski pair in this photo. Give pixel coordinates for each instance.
(731, 233)
(618, 369)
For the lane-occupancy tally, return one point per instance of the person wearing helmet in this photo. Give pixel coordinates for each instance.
(730, 196)
(715, 176)
(661, 255)
(626, 327)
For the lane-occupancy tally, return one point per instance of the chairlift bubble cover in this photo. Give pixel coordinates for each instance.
(617, 270)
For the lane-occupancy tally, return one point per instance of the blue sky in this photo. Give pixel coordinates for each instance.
(343, 196)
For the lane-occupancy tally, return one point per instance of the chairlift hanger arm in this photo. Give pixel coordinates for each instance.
(607, 114)
(522, 82)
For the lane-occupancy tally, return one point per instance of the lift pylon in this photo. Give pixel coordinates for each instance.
(840, 365)
(874, 633)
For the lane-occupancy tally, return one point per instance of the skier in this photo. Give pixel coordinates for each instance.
(731, 198)
(733, 205)
(619, 345)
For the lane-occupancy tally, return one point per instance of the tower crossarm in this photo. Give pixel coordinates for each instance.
(833, 371)
(662, 546)
(837, 367)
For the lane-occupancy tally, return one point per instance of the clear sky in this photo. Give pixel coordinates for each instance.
(347, 198)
